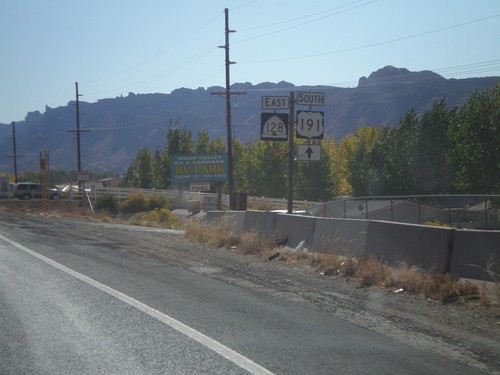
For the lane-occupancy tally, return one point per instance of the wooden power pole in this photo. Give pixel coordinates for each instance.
(228, 93)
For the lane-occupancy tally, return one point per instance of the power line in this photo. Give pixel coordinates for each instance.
(304, 23)
(372, 44)
(173, 45)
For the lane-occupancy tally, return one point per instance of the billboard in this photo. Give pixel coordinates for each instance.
(198, 168)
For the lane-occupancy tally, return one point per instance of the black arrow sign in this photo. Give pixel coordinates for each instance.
(309, 152)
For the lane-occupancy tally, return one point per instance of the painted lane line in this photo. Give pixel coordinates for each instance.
(233, 356)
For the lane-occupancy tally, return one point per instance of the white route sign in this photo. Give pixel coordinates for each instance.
(275, 102)
(274, 126)
(309, 152)
(310, 125)
(310, 98)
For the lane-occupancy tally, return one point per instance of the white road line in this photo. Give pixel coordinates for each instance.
(206, 341)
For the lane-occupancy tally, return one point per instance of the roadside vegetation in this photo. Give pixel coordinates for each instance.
(365, 271)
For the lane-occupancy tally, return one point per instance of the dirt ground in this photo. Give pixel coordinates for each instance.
(466, 331)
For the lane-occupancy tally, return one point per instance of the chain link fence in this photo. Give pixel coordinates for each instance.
(459, 211)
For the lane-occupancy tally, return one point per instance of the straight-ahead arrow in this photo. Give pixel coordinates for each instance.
(309, 152)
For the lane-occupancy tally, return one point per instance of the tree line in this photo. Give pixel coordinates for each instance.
(443, 151)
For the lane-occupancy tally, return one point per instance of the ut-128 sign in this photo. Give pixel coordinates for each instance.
(274, 126)
(198, 168)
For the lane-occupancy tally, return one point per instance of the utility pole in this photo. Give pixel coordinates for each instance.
(228, 94)
(228, 105)
(291, 156)
(14, 156)
(78, 131)
(79, 160)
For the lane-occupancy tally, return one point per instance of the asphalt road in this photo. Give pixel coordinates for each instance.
(69, 306)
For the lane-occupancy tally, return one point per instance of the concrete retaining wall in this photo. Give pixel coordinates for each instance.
(433, 249)
(234, 219)
(261, 221)
(344, 236)
(426, 247)
(295, 228)
(472, 251)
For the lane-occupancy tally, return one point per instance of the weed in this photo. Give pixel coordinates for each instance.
(158, 217)
(436, 223)
(492, 273)
(135, 203)
(253, 242)
(198, 231)
(370, 271)
(107, 203)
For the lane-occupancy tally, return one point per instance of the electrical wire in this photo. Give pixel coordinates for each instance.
(305, 23)
(180, 41)
(371, 44)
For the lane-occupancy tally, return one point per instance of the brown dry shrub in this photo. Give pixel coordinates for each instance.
(252, 242)
(349, 267)
(370, 271)
(196, 230)
(294, 256)
(442, 287)
(401, 276)
(327, 264)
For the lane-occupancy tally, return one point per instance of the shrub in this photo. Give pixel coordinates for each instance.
(108, 203)
(253, 242)
(198, 231)
(158, 202)
(162, 216)
(436, 223)
(135, 203)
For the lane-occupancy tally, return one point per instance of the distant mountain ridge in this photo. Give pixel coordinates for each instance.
(119, 127)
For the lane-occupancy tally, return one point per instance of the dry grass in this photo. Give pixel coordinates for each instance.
(366, 270)
(253, 242)
(196, 230)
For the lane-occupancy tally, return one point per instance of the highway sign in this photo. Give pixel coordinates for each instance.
(274, 126)
(310, 125)
(275, 102)
(198, 168)
(309, 152)
(310, 98)
(83, 176)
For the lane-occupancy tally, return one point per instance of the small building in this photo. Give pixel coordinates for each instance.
(111, 182)
(5, 189)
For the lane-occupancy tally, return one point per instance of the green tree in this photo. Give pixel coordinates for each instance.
(361, 172)
(140, 172)
(434, 169)
(315, 181)
(475, 138)
(393, 157)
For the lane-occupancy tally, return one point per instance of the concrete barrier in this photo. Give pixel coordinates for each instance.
(295, 228)
(234, 219)
(472, 252)
(426, 247)
(344, 236)
(260, 221)
(435, 249)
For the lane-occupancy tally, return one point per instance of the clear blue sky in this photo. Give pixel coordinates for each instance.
(113, 47)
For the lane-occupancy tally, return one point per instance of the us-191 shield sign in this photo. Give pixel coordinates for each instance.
(310, 125)
(274, 126)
